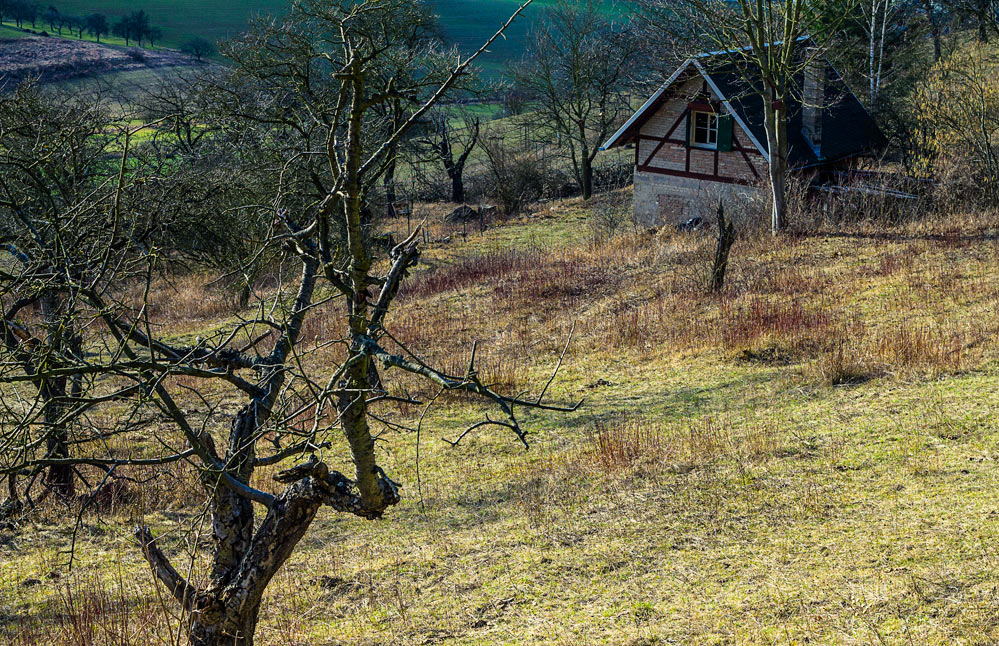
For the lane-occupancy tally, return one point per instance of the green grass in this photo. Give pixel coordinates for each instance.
(11, 33)
(130, 85)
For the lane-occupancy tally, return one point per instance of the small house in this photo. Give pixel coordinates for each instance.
(702, 135)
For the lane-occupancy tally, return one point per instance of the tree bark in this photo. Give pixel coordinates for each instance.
(231, 620)
(776, 127)
(232, 513)
(586, 174)
(60, 477)
(457, 186)
(243, 300)
(726, 236)
(352, 401)
(226, 614)
(390, 195)
(244, 560)
(237, 628)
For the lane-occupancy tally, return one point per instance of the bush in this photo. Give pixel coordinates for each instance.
(516, 178)
(956, 110)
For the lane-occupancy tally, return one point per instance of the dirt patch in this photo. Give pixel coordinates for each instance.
(60, 59)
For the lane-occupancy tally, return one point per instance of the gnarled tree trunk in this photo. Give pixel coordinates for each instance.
(53, 390)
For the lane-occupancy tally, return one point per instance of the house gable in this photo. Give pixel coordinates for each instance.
(661, 142)
(856, 132)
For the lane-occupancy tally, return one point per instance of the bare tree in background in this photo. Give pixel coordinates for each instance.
(64, 199)
(878, 15)
(150, 400)
(981, 13)
(450, 136)
(934, 18)
(416, 41)
(575, 69)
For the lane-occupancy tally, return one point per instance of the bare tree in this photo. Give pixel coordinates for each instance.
(449, 138)
(934, 18)
(213, 166)
(417, 40)
(575, 69)
(62, 194)
(199, 48)
(981, 13)
(878, 15)
(516, 176)
(288, 409)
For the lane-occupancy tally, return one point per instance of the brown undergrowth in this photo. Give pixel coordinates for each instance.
(806, 456)
(842, 304)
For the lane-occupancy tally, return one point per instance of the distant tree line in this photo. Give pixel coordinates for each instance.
(133, 27)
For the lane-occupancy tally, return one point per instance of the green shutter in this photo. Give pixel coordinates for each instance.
(725, 132)
(690, 128)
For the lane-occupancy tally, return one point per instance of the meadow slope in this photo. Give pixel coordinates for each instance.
(810, 456)
(466, 22)
(56, 60)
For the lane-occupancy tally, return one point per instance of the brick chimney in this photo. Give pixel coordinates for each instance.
(813, 99)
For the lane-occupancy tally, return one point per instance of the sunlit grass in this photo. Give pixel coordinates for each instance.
(808, 457)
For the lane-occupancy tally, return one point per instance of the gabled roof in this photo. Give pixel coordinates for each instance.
(848, 129)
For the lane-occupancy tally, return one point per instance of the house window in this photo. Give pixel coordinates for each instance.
(705, 129)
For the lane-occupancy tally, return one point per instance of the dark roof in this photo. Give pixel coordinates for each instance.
(848, 130)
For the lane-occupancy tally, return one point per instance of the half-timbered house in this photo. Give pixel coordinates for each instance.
(702, 135)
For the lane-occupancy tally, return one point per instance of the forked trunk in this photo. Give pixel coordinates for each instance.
(226, 614)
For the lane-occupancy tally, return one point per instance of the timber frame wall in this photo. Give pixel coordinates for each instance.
(661, 145)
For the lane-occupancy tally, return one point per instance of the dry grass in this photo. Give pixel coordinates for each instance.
(807, 457)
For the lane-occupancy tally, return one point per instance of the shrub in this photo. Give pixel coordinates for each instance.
(957, 114)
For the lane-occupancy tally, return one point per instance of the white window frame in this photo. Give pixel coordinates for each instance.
(710, 130)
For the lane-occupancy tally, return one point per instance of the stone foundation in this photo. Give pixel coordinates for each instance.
(668, 200)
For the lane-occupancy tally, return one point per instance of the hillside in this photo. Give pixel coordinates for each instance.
(807, 457)
(54, 60)
(467, 22)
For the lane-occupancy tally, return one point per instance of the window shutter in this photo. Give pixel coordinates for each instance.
(725, 132)
(690, 128)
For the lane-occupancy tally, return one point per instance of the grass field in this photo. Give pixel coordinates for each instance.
(810, 456)
(467, 22)
(8, 29)
(12, 33)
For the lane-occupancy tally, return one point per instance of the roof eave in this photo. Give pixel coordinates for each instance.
(617, 138)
